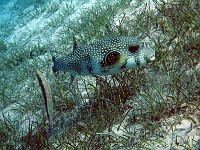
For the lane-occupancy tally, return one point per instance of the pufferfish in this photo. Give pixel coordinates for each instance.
(108, 56)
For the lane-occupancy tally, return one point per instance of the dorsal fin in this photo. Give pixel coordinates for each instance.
(75, 43)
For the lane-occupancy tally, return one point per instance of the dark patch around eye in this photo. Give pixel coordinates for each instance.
(133, 48)
(110, 59)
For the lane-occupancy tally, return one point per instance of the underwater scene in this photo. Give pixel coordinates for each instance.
(100, 74)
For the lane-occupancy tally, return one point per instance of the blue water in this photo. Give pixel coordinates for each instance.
(22, 19)
(10, 12)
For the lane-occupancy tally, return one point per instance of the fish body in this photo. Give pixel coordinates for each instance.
(46, 91)
(108, 56)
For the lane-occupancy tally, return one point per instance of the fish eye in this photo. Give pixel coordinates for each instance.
(133, 48)
(110, 59)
